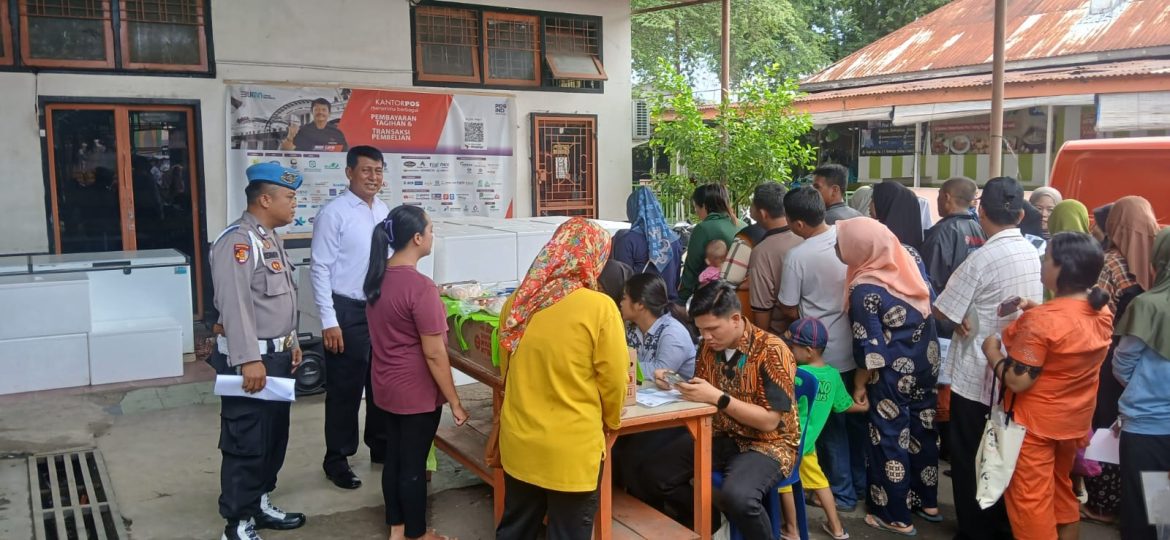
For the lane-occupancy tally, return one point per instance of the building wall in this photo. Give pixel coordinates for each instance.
(359, 43)
(1069, 124)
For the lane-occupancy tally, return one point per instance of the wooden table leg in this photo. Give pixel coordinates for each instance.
(703, 515)
(603, 524)
(497, 473)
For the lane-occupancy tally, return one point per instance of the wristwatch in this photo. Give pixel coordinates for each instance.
(723, 402)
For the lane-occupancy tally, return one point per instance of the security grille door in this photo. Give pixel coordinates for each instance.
(564, 165)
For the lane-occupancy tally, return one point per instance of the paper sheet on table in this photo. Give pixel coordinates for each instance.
(1104, 447)
(1156, 488)
(653, 397)
(275, 389)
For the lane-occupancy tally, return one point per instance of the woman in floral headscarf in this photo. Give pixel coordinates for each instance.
(565, 370)
(649, 245)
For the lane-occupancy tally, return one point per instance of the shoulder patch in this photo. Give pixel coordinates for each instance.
(243, 251)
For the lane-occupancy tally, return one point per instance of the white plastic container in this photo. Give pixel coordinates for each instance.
(43, 363)
(135, 349)
(464, 253)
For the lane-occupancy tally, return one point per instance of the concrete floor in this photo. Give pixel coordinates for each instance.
(160, 448)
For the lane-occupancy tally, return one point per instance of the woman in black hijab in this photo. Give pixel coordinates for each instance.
(897, 208)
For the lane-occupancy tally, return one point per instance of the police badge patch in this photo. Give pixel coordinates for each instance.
(243, 251)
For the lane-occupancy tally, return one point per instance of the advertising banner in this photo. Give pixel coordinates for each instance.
(1025, 131)
(886, 139)
(450, 154)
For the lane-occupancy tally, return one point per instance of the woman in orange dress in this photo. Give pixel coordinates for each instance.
(1054, 354)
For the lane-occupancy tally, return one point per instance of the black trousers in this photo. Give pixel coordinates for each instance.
(633, 453)
(967, 421)
(404, 474)
(570, 515)
(253, 437)
(346, 375)
(747, 477)
(1140, 453)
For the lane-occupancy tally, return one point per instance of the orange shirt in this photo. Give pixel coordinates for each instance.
(1068, 339)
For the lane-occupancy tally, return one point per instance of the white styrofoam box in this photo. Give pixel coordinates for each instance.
(612, 226)
(44, 305)
(43, 363)
(132, 285)
(463, 253)
(134, 350)
(14, 265)
(531, 237)
(555, 220)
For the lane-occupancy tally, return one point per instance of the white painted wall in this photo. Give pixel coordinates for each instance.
(359, 43)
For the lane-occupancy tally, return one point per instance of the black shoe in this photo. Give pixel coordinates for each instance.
(271, 517)
(345, 479)
(240, 530)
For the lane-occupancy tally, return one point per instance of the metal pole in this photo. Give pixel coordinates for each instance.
(997, 90)
(725, 53)
(1048, 145)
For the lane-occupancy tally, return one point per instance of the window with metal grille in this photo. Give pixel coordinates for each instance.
(446, 44)
(163, 34)
(572, 51)
(66, 33)
(511, 55)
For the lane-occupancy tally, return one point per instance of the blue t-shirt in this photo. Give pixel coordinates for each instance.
(667, 345)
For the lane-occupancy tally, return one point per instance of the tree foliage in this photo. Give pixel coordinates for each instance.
(800, 36)
(756, 140)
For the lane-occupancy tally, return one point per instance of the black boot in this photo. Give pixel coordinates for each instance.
(240, 530)
(271, 517)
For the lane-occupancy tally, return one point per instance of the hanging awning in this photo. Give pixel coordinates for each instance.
(822, 119)
(1133, 112)
(906, 115)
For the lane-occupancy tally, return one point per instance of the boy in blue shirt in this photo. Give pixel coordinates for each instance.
(808, 337)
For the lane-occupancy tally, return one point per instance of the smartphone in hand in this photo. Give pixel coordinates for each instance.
(1009, 306)
(672, 378)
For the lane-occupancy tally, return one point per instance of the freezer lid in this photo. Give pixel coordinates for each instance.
(14, 265)
(75, 262)
(40, 280)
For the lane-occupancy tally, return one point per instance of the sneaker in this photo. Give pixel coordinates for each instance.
(240, 530)
(271, 517)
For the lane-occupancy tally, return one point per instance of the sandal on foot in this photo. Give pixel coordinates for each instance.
(875, 522)
(933, 518)
(843, 536)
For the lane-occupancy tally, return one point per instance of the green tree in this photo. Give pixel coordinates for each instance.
(852, 24)
(754, 141)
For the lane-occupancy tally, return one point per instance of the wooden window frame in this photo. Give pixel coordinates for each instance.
(537, 51)
(201, 67)
(473, 50)
(571, 76)
(108, 29)
(8, 56)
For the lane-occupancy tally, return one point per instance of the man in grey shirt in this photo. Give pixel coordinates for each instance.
(831, 181)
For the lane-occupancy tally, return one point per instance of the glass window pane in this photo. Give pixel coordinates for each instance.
(86, 171)
(512, 48)
(160, 43)
(67, 39)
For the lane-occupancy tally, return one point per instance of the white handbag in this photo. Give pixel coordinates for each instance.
(998, 451)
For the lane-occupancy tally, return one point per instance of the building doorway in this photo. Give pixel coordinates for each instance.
(564, 165)
(124, 178)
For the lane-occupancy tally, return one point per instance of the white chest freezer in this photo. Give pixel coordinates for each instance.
(15, 265)
(125, 285)
(44, 305)
(464, 252)
(531, 237)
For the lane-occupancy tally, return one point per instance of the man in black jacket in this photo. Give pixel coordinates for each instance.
(956, 235)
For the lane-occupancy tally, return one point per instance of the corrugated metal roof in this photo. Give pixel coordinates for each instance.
(1094, 71)
(959, 35)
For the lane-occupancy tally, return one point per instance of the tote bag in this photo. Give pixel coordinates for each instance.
(998, 451)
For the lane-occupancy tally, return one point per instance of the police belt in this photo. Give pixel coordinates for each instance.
(274, 345)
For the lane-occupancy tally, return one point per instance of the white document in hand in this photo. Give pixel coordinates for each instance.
(1104, 447)
(275, 388)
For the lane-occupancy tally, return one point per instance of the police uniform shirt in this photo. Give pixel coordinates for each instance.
(327, 139)
(254, 290)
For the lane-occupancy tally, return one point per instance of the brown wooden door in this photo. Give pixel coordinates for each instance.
(564, 165)
(124, 178)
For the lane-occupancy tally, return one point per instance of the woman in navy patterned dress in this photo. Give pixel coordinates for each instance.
(897, 354)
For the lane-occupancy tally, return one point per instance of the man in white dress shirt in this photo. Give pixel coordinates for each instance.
(340, 258)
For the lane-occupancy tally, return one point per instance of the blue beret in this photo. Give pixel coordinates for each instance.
(273, 172)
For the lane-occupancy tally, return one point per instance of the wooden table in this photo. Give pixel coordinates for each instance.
(629, 517)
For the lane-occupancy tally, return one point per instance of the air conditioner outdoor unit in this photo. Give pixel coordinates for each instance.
(641, 127)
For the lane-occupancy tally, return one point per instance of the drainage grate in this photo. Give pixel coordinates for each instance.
(72, 498)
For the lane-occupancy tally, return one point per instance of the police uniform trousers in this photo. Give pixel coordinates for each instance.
(253, 436)
(903, 445)
(346, 375)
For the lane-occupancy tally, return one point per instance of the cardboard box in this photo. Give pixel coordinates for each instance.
(632, 381)
(477, 335)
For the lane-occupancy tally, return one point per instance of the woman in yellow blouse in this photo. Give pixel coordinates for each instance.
(565, 381)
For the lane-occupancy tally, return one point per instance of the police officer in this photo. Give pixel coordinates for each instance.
(256, 300)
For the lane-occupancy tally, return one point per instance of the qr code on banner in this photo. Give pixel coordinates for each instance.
(473, 131)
